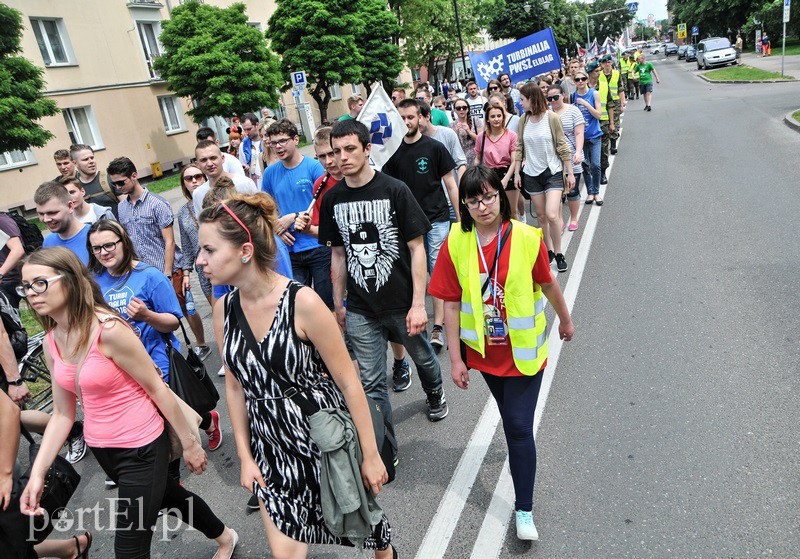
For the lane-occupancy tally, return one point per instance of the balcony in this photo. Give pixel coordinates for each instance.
(154, 4)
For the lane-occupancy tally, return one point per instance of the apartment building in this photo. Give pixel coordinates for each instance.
(98, 61)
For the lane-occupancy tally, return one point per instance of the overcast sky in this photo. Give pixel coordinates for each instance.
(656, 7)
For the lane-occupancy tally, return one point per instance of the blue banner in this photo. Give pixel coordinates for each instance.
(525, 58)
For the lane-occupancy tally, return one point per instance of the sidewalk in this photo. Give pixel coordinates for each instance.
(772, 63)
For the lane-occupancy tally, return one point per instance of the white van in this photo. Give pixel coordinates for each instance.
(716, 51)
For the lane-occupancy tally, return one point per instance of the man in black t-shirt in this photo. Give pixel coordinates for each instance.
(423, 164)
(375, 228)
(99, 190)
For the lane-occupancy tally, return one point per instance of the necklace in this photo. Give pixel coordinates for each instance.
(485, 240)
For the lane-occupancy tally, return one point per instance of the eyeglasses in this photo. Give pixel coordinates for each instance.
(278, 143)
(108, 247)
(580, 79)
(38, 286)
(422, 98)
(197, 177)
(120, 183)
(553, 98)
(487, 200)
(225, 207)
(462, 108)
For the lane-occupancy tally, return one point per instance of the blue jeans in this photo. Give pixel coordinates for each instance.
(591, 154)
(368, 337)
(314, 266)
(433, 240)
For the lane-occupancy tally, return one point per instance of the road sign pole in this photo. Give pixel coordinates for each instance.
(783, 50)
(787, 4)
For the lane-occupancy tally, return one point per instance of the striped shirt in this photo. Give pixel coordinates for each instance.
(540, 152)
(571, 118)
(144, 220)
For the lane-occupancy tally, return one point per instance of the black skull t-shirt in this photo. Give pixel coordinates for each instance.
(374, 223)
(422, 165)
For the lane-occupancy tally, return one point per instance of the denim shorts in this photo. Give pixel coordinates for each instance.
(545, 182)
(575, 193)
(646, 88)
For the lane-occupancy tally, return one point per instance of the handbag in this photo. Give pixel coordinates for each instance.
(483, 145)
(383, 429)
(60, 483)
(188, 377)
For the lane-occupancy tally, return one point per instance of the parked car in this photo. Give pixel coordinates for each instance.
(691, 53)
(670, 48)
(682, 51)
(656, 49)
(714, 52)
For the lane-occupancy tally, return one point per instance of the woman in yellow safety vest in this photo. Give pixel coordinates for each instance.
(493, 274)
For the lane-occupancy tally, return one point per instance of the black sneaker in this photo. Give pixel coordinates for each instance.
(202, 351)
(603, 179)
(561, 263)
(401, 375)
(252, 503)
(551, 255)
(437, 405)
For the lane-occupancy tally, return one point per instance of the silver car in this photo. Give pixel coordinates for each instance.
(713, 52)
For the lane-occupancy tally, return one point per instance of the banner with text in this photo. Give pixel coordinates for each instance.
(525, 58)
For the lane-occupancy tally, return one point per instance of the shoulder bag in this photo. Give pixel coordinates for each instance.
(188, 377)
(384, 431)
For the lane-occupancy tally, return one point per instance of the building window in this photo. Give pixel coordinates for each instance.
(82, 127)
(336, 92)
(51, 35)
(171, 114)
(355, 88)
(255, 24)
(16, 158)
(148, 35)
(415, 75)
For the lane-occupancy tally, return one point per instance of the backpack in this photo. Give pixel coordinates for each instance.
(30, 235)
(12, 322)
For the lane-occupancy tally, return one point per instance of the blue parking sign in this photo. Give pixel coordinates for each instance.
(695, 30)
(299, 78)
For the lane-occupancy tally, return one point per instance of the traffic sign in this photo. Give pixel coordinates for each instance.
(786, 6)
(681, 31)
(298, 78)
(696, 30)
(633, 7)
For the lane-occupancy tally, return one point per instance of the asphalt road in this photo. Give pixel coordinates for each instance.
(670, 426)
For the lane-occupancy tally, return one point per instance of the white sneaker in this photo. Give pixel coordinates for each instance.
(221, 372)
(526, 530)
(76, 449)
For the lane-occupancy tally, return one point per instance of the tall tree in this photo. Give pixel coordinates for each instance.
(214, 57)
(318, 37)
(22, 100)
(381, 55)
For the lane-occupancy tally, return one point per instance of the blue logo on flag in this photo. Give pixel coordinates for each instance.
(381, 129)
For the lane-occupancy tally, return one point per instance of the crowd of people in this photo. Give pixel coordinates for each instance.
(289, 249)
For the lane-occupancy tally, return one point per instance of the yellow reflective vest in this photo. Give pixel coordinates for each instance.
(624, 66)
(602, 89)
(612, 83)
(524, 300)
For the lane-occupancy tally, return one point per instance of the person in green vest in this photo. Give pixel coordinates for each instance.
(607, 116)
(485, 257)
(354, 105)
(646, 70)
(616, 88)
(625, 64)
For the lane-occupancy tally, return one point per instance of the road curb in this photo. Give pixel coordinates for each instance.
(791, 122)
(702, 77)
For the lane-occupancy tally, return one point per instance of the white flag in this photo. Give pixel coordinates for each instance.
(386, 126)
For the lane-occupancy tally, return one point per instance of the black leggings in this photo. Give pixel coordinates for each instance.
(144, 489)
(516, 399)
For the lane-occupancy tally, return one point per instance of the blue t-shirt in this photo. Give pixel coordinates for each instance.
(76, 243)
(592, 129)
(283, 265)
(152, 287)
(293, 190)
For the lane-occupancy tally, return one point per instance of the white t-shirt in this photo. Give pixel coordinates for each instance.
(96, 211)
(243, 184)
(231, 165)
(540, 153)
(476, 109)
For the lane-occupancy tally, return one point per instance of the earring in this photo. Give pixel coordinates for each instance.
(244, 260)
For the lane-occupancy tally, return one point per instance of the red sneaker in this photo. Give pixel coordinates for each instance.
(214, 433)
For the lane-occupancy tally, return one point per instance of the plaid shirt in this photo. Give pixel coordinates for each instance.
(144, 221)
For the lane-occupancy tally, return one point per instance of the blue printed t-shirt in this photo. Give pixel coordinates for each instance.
(293, 190)
(76, 243)
(152, 287)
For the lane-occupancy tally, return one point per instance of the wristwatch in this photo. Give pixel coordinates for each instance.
(17, 382)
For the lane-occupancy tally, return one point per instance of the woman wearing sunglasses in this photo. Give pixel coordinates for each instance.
(138, 293)
(484, 261)
(272, 328)
(493, 86)
(495, 148)
(125, 402)
(573, 123)
(466, 129)
(587, 99)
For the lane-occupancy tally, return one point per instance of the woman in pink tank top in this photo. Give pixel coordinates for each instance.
(123, 399)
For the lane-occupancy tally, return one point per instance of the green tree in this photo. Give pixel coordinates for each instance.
(611, 24)
(214, 57)
(22, 100)
(381, 54)
(320, 38)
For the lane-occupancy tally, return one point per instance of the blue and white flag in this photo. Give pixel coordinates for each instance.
(521, 60)
(386, 126)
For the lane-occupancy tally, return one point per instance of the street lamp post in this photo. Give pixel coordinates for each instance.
(460, 39)
(597, 14)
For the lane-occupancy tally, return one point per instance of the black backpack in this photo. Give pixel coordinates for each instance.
(30, 235)
(12, 323)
